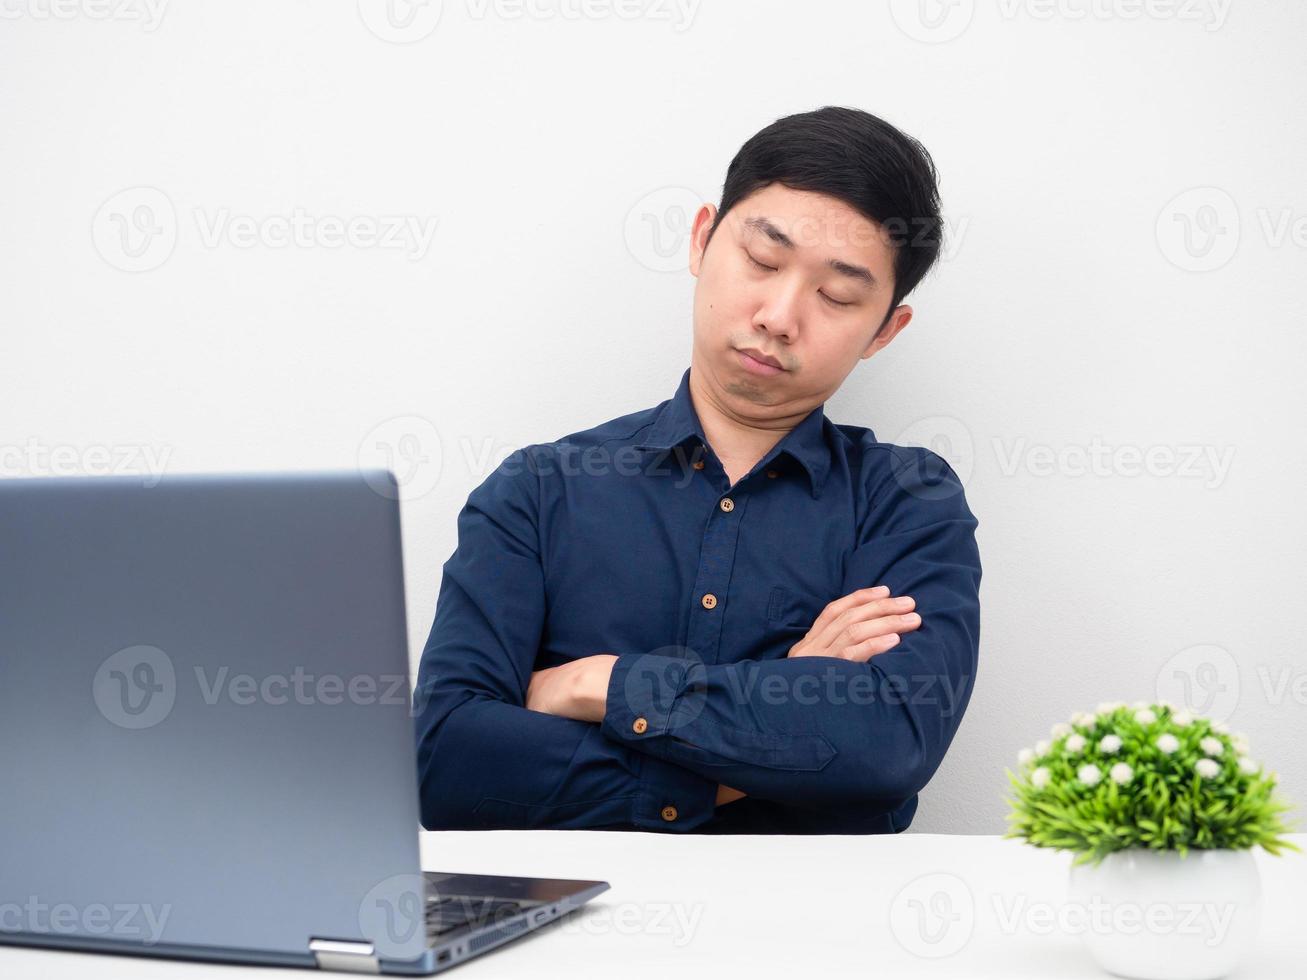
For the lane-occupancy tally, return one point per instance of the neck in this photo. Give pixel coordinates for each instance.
(739, 428)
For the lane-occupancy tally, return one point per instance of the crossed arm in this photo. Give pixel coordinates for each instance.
(855, 627)
(629, 738)
(579, 690)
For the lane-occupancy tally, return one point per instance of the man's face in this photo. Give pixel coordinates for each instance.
(796, 275)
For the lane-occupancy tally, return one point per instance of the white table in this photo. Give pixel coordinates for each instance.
(758, 906)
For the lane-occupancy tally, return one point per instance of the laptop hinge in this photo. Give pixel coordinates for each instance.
(338, 954)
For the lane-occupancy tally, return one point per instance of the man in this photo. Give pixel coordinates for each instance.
(724, 613)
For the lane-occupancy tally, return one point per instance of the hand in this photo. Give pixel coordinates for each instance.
(577, 689)
(858, 626)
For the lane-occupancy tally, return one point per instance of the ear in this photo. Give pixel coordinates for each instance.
(699, 236)
(900, 318)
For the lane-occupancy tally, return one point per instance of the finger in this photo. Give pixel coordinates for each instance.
(836, 608)
(835, 631)
(860, 641)
(857, 633)
(876, 608)
(867, 649)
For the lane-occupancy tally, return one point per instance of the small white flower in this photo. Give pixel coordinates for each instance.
(1211, 745)
(1182, 718)
(1041, 747)
(1139, 705)
(1039, 778)
(1110, 744)
(1089, 774)
(1221, 727)
(1025, 756)
(1145, 716)
(1083, 718)
(1060, 729)
(1075, 743)
(1240, 742)
(1246, 765)
(1107, 707)
(1168, 743)
(1121, 773)
(1207, 768)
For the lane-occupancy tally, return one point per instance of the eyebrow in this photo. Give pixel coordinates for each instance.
(764, 225)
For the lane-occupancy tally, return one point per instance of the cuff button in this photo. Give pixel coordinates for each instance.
(669, 813)
(640, 726)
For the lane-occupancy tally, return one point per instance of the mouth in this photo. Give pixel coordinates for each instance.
(759, 363)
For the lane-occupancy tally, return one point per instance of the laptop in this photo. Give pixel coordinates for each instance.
(207, 730)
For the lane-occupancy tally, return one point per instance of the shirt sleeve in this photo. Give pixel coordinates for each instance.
(484, 759)
(822, 732)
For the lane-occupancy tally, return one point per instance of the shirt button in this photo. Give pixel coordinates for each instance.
(669, 813)
(772, 474)
(709, 600)
(728, 505)
(698, 464)
(640, 726)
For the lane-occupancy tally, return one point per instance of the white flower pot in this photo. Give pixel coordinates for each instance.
(1154, 915)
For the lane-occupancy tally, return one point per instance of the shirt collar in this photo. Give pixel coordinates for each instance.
(678, 422)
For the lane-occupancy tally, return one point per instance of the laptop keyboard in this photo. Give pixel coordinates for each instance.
(445, 914)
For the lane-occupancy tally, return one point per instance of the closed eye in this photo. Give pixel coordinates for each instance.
(768, 268)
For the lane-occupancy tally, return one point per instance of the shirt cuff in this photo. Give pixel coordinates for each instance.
(641, 699)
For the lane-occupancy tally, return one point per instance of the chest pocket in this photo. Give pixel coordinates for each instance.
(789, 609)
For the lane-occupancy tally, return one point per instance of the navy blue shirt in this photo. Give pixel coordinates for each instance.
(628, 539)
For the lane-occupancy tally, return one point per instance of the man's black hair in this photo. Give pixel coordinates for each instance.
(860, 159)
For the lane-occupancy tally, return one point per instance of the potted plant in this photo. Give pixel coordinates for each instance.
(1161, 807)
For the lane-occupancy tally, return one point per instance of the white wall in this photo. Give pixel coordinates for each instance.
(1071, 312)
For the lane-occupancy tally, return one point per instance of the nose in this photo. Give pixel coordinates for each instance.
(778, 313)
